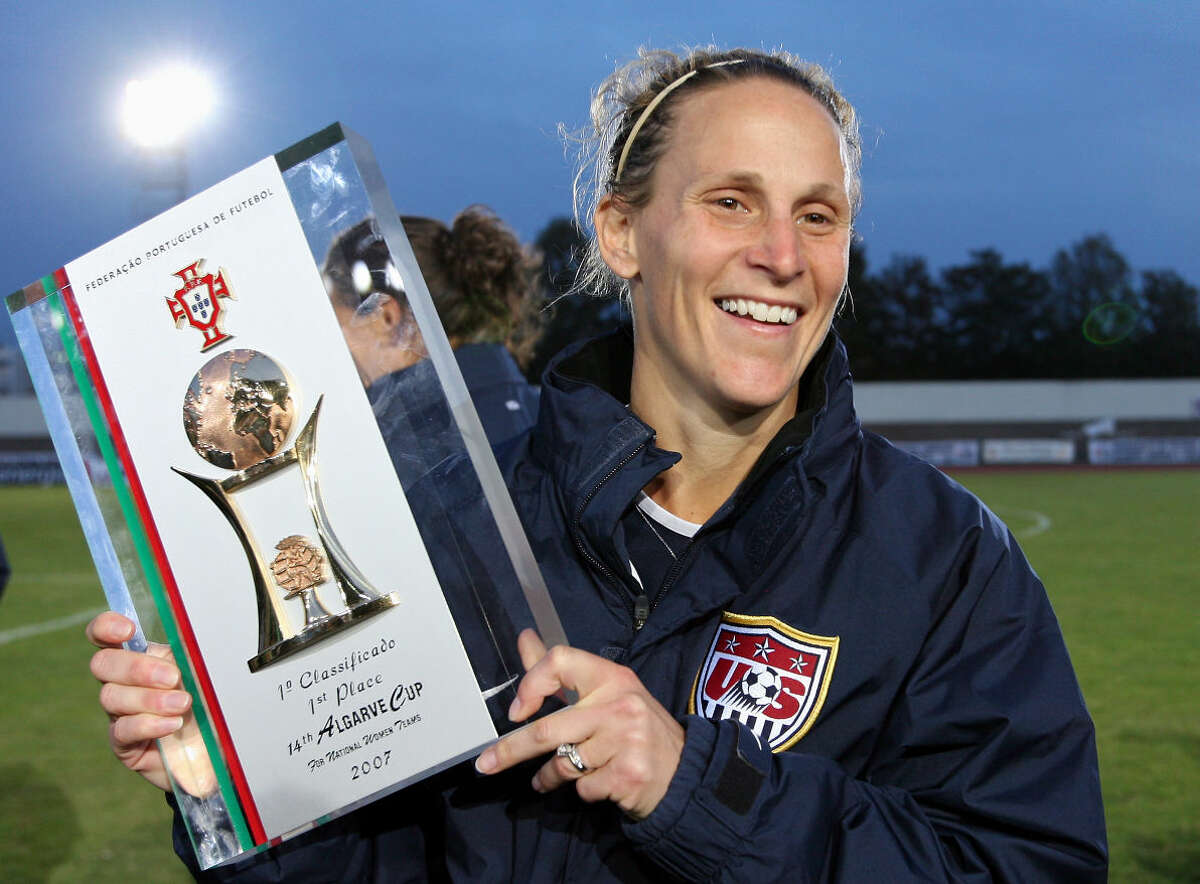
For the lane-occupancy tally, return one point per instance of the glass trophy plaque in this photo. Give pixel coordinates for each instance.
(318, 534)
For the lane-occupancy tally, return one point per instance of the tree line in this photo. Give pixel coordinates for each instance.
(1086, 315)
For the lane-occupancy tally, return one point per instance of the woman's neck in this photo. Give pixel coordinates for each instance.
(718, 448)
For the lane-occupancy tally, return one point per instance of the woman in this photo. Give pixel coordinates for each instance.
(480, 280)
(799, 653)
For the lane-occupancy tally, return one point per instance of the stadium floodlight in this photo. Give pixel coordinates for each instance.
(161, 109)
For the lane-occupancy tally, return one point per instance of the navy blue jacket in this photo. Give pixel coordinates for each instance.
(940, 736)
(507, 404)
(405, 409)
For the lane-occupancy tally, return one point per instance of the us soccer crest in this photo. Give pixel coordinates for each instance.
(767, 675)
(198, 303)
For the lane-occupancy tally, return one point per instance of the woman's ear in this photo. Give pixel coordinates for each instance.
(614, 235)
(391, 312)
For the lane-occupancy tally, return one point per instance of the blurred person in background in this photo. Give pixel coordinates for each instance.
(481, 281)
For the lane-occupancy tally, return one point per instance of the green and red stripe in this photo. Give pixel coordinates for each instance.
(152, 557)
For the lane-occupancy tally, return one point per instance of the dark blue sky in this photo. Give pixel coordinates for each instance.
(1018, 125)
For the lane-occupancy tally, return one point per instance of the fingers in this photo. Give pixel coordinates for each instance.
(563, 668)
(630, 749)
(559, 770)
(135, 684)
(134, 732)
(119, 699)
(565, 726)
(605, 774)
(149, 670)
(628, 742)
(620, 781)
(140, 693)
(532, 651)
(529, 645)
(110, 629)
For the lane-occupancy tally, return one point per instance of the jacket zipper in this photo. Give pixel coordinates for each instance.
(641, 603)
(673, 574)
(577, 535)
(668, 581)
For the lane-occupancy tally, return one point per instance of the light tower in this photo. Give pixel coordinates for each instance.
(159, 113)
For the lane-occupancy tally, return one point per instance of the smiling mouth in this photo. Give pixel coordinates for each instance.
(769, 313)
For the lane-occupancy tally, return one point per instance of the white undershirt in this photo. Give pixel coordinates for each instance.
(667, 519)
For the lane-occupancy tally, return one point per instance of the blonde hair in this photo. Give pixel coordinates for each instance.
(481, 279)
(657, 79)
(478, 273)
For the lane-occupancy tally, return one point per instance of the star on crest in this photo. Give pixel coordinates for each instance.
(764, 650)
(731, 645)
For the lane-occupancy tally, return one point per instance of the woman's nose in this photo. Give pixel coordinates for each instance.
(779, 250)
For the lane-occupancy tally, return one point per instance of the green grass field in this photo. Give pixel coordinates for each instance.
(1119, 552)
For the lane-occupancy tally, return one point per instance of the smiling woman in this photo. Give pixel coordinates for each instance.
(799, 653)
(747, 205)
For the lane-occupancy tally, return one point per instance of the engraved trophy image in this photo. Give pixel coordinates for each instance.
(237, 414)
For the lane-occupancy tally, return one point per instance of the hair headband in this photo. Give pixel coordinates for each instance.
(655, 102)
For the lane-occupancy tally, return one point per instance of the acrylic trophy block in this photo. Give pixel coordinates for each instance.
(319, 558)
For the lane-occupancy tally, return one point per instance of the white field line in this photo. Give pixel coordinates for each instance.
(31, 629)
(1040, 523)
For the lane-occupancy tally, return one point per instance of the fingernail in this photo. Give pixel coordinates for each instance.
(486, 762)
(164, 676)
(176, 702)
(514, 709)
(536, 783)
(171, 725)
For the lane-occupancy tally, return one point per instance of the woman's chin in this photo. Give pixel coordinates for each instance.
(753, 397)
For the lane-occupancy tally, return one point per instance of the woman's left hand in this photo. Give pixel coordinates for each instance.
(628, 742)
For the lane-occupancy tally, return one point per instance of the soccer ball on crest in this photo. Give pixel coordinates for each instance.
(762, 686)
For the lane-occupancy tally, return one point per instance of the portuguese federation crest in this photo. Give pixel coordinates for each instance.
(767, 675)
(198, 303)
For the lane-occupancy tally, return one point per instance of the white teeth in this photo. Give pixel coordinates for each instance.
(770, 313)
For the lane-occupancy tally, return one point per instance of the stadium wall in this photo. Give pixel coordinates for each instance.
(950, 423)
(936, 402)
(20, 418)
(1022, 423)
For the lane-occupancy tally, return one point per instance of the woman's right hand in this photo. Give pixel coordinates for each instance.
(144, 698)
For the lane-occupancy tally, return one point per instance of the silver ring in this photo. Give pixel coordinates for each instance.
(570, 752)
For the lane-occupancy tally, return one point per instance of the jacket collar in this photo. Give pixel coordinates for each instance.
(585, 430)
(598, 452)
(600, 455)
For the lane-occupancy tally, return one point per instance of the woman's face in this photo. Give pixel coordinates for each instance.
(382, 336)
(737, 261)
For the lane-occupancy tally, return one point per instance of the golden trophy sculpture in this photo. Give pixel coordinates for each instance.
(237, 413)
